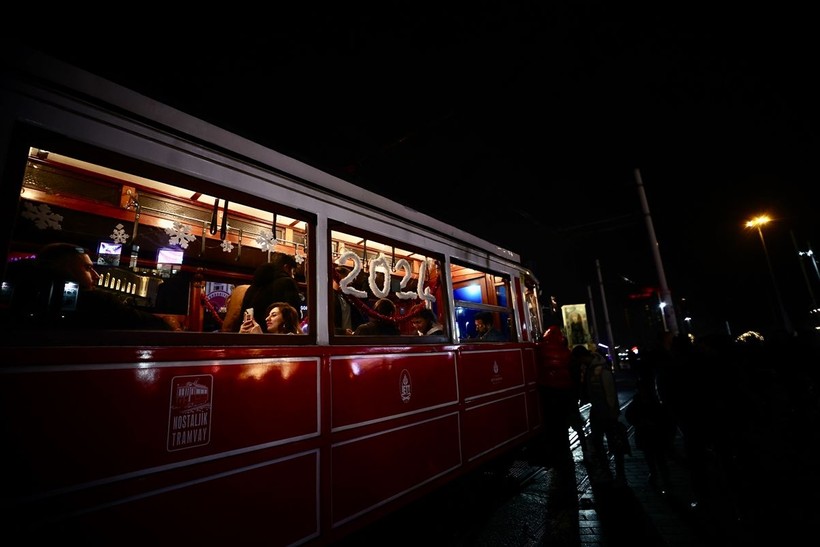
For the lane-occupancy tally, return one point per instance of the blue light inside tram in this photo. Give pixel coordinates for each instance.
(469, 293)
(501, 294)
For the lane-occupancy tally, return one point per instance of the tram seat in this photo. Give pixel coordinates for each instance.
(177, 321)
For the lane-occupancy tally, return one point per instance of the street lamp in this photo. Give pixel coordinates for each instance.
(757, 222)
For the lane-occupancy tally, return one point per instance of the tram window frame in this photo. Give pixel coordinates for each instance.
(495, 297)
(359, 239)
(533, 306)
(103, 167)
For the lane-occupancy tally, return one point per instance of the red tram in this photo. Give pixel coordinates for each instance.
(201, 433)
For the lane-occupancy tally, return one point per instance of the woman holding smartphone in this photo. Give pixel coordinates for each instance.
(281, 318)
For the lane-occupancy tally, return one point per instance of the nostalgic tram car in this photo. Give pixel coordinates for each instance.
(198, 432)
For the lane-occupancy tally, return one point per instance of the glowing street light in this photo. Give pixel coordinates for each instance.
(757, 222)
(661, 307)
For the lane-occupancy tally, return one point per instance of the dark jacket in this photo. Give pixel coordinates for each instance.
(492, 335)
(380, 324)
(355, 315)
(554, 361)
(375, 326)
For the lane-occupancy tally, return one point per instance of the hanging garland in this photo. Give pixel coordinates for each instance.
(213, 310)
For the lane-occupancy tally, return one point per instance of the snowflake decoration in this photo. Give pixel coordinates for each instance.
(266, 240)
(119, 235)
(42, 216)
(300, 258)
(226, 245)
(180, 234)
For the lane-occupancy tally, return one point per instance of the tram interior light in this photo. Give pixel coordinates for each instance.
(468, 293)
(108, 253)
(167, 256)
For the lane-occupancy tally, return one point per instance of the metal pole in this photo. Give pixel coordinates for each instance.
(813, 261)
(803, 269)
(666, 296)
(595, 336)
(612, 355)
(786, 323)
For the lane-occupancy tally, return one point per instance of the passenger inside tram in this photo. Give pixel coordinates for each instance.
(59, 287)
(485, 330)
(233, 309)
(382, 322)
(425, 323)
(281, 318)
(272, 282)
(346, 317)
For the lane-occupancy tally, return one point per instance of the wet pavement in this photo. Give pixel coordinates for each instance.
(525, 504)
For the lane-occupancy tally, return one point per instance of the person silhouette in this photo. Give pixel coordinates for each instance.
(558, 391)
(604, 411)
(382, 323)
(485, 329)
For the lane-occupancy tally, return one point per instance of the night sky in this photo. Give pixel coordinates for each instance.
(524, 124)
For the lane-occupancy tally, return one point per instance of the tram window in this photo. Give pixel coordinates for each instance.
(161, 242)
(474, 291)
(409, 278)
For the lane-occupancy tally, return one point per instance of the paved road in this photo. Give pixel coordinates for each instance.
(769, 493)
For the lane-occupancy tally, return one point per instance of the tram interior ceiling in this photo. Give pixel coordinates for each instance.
(140, 232)
(91, 201)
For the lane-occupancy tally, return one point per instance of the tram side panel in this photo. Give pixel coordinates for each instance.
(163, 450)
(395, 428)
(495, 416)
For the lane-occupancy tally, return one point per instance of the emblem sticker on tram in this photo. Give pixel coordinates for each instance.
(189, 421)
(405, 386)
(496, 377)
